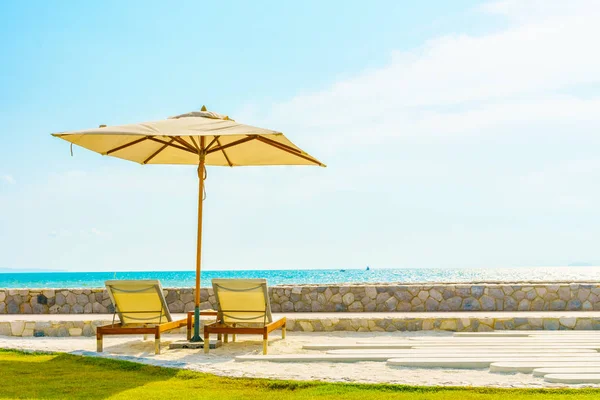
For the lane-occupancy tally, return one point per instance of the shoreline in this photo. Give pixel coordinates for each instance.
(357, 284)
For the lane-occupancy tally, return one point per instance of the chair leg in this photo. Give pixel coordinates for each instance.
(157, 342)
(206, 341)
(189, 328)
(233, 335)
(225, 338)
(265, 342)
(99, 343)
(145, 337)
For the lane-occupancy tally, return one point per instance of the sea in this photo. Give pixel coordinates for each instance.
(66, 280)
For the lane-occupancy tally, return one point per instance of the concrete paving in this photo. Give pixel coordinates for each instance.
(527, 333)
(528, 366)
(566, 370)
(573, 378)
(512, 347)
(485, 362)
(470, 352)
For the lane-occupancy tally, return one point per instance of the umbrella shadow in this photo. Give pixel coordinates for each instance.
(60, 376)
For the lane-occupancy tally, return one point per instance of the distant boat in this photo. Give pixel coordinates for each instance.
(342, 270)
(368, 268)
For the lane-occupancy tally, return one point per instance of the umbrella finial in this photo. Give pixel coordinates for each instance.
(203, 108)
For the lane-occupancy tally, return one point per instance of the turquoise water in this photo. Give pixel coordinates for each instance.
(186, 278)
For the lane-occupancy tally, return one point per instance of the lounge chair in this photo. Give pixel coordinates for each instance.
(142, 310)
(243, 307)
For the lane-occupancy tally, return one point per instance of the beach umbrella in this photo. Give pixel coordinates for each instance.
(199, 138)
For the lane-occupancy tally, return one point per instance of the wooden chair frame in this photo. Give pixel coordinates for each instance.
(150, 328)
(156, 330)
(267, 326)
(222, 329)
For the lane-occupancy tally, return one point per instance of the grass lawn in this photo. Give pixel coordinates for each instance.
(64, 376)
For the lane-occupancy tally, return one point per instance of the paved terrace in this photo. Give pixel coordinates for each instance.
(63, 325)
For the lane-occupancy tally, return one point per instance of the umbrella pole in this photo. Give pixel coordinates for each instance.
(196, 337)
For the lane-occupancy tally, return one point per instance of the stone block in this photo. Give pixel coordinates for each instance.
(77, 309)
(510, 304)
(564, 293)
(177, 306)
(348, 298)
(568, 322)
(25, 308)
(507, 289)
(518, 295)
(5, 329)
(448, 325)
(71, 299)
(574, 305)
(17, 327)
(523, 305)
(558, 305)
(436, 295)
(477, 291)
(583, 294)
(391, 304)
(487, 303)
(431, 304)
(551, 324)
(62, 332)
(382, 297)
(416, 301)
(372, 306)
(336, 298)
(75, 332)
(583, 324)
(471, 304)
(12, 307)
(371, 292)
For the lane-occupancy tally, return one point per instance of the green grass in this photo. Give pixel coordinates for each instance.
(60, 376)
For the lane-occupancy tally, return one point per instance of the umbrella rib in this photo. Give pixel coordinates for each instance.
(183, 143)
(215, 139)
(224, 154)
(128, 144)
(225, 146)
(164, 146)
(172, 145)
(286, 149)
(195, 144)
(271, 141)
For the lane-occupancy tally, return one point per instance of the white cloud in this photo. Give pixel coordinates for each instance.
(8, 179)
(490, 110)
(458, 83)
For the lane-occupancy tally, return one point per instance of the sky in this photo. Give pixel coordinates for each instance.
(456, 134)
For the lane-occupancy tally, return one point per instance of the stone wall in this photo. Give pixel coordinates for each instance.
(368, 322)
(336, 298)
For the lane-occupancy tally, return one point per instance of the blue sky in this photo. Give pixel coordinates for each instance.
(457, 134)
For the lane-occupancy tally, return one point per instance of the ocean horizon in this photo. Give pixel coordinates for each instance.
(68, 280)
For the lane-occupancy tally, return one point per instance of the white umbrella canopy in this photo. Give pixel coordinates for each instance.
(176, 140)
(197, 138)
